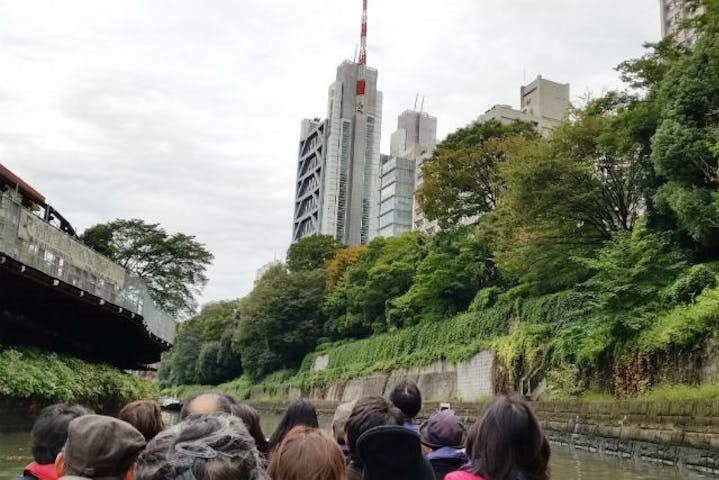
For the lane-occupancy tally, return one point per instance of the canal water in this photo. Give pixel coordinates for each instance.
(566, 463)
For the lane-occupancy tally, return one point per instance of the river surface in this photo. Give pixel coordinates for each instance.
(566, 463)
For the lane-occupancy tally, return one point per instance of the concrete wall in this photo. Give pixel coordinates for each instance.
(466, 381)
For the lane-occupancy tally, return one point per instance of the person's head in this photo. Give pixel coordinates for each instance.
(251, 418)
(144, 415)
(339, 420)
(507, 440)
(207, 402)
(443, 429)
(100, 447)
(369, 412)
(300, 412)
(392, 452)
(215, 446)
(49, 432)
(307, 454)
(406, 396)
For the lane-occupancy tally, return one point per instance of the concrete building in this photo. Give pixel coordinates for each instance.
(542, 102)
(396, 195)
(414, 140)
(310, 177)
(337, 188)
(416, 131)
(672, 13)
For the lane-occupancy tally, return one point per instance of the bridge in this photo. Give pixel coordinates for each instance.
(58, 294)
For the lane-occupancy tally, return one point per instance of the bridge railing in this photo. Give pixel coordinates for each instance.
(39, 245)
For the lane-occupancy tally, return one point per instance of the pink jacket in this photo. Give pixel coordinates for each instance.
(462, 475)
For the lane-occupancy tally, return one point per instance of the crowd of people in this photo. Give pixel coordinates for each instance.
(220, 438)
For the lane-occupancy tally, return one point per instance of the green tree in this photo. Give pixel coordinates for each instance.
(683, 150)
(312, 252)
(446, 281)
(172, 266)
(202, 351)
(280, 321)
(569, 194)
(461, 179)
(356, 306)
(342, 260)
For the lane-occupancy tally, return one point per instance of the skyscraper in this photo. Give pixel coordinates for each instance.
(346, 201)
(672, 13)
(414, 140)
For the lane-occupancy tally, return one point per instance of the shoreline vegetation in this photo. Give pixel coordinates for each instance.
(36, 378)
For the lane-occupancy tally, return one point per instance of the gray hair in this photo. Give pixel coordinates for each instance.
(216, 446)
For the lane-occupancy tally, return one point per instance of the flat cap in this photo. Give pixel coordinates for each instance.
(101, 447)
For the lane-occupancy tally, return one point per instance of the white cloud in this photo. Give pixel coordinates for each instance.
(187, 112)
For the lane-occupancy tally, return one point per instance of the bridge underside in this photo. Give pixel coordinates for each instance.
(37, 310)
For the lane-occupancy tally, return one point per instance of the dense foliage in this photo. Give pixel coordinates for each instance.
(172, 266)
(46, 377)
(587, 258)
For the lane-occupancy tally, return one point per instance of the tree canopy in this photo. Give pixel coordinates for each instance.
(461, 179)
(172, 266)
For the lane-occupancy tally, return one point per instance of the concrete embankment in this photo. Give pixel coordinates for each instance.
(670, 432)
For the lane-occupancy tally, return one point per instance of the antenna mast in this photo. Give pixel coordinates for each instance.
(362, 63)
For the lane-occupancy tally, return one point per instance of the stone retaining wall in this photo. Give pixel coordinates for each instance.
(466, 381)
(670, 432)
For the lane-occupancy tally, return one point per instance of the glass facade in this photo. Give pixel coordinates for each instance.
(397, 191)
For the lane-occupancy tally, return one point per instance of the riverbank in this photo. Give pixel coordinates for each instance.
(678, 433)
(32, 378)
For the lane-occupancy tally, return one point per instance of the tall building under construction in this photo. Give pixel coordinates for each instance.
(337, 187)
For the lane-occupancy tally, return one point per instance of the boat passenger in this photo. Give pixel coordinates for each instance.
(443, 436)
(369, 412)
(47, 437)
(99, 447)
(307, 454)
(407, 397)
(300, 412)
(202, 447)
(506, 443)
(144, 415)
(251, 418)
(207, 402)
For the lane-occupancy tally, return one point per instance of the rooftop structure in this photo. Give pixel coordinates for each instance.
(543, 103)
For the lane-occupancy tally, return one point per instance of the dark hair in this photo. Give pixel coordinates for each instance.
(251, 418)
(217, 402)
(369, 412)
(507, 440)
(213, 446)
(144, 415)
(300, 412)
(306, 453)
(49, 433)
(406, 396)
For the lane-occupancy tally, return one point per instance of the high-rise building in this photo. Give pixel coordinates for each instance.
(338, 162)
(416, 131)
(396, 195)
(542, 102)
(673, 13)
(310, 177)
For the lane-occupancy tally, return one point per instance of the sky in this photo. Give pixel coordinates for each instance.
(187, 113)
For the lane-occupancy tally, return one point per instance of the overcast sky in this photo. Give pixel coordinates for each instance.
(187, 113)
